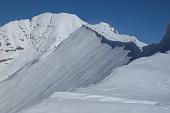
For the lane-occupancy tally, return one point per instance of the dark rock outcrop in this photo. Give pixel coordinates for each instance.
(162, 47)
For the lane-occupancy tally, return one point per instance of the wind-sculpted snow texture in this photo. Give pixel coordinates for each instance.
(84, 58)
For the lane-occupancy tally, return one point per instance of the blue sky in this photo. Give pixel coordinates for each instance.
(145, 19)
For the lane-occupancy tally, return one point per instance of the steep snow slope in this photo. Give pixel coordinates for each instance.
(25, 40)
(147, 78)
(40, 32)
(84, 58)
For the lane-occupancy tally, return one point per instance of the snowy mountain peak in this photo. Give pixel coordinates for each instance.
(53, 28)
(43, 33)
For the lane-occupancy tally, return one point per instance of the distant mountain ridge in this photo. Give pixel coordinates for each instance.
(162, 46)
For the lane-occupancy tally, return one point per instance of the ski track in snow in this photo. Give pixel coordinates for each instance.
(102, 98)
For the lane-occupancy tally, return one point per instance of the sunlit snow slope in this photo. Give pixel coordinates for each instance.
(85, 58)
(147, 78)
(26, 40)
(40, 32)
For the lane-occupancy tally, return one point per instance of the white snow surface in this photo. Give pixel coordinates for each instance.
(147, 78)
(140, 87)
(68, 102)
(112, 34)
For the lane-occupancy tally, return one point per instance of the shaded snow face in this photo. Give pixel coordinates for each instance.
(135, 51)
(79, 61)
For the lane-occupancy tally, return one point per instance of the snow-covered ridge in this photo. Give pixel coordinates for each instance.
(112, 34)
(135, 51)
(37, 28)
(27, 40)
(14, 38)
(162, 46)
(80, 60)
(44, 32)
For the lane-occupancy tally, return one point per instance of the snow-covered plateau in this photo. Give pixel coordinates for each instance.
(57, 63)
